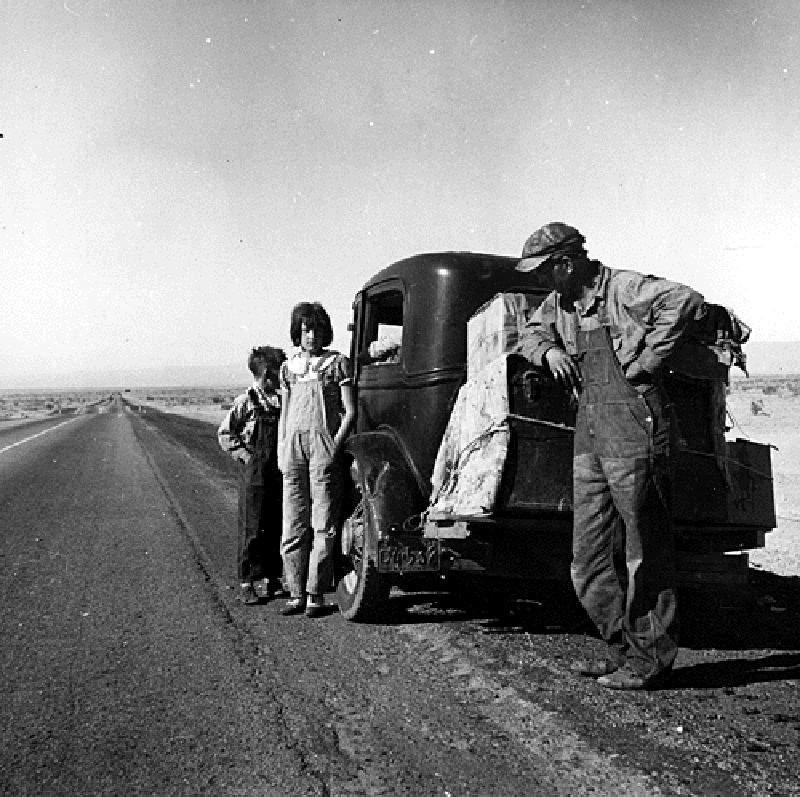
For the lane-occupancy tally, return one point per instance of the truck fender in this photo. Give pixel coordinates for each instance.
(390, 485)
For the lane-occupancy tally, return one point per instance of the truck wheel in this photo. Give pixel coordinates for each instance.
(362, 592)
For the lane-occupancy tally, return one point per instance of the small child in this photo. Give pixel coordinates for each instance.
(249, 434)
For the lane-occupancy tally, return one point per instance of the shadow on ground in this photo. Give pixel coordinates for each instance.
(747, 634)
(738, 672)
(763, 614)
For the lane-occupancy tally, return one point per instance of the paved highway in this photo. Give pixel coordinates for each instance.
(121, 672)
(129, 668)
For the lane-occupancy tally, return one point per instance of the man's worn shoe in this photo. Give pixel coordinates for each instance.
(627, 679)
(248, 594)
(294, 606)
(315, 606)
(593, 668)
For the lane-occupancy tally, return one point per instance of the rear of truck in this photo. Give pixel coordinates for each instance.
(462, 457)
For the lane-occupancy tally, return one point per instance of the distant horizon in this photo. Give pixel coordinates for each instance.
(765, 359)
(227, 386)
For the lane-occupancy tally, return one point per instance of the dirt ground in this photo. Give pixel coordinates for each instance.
(778, 424)
(728, 723)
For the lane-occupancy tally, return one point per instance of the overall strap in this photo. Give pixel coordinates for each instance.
(602, 314)
(324, 362)
(258, 405)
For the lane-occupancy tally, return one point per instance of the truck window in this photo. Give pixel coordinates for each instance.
(383, 338)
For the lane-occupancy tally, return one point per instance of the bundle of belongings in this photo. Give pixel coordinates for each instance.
(469, 467)
(470, 462)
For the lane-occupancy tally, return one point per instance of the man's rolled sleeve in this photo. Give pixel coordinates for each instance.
(667, 309)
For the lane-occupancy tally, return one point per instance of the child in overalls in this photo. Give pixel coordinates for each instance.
(249, 433)
(318, 411)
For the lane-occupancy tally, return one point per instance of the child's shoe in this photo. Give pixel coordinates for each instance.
(248, 594)
(275, 589)
(315, 606)
(294, 606)
(269, 588)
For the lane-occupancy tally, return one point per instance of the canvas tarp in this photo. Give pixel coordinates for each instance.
(469, 464)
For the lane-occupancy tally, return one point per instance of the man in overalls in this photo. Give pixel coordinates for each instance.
(604, 334)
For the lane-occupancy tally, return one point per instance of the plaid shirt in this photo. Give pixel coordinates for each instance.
(236, 431)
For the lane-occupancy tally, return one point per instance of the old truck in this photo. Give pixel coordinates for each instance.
(407, 392)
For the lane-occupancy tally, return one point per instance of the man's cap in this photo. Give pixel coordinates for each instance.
(547, 241)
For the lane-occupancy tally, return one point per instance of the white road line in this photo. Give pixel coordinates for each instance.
(33, 436)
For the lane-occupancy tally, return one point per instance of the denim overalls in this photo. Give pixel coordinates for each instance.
(623, 565)
(311, 476)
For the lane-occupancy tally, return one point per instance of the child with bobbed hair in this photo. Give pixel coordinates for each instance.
(249, 433)
(318, 412)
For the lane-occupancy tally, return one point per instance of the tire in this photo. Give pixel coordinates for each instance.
(362, 592)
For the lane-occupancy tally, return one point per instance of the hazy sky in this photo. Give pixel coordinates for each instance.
(176, 175)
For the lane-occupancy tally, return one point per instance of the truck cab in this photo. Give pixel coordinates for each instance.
(409, 355)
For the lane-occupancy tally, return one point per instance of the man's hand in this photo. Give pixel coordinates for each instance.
(637, 375)
(564, 369)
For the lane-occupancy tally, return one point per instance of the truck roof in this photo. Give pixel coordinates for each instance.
(474, 268)
(440, 292)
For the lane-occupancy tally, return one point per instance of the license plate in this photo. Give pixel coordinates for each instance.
(408, 556)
